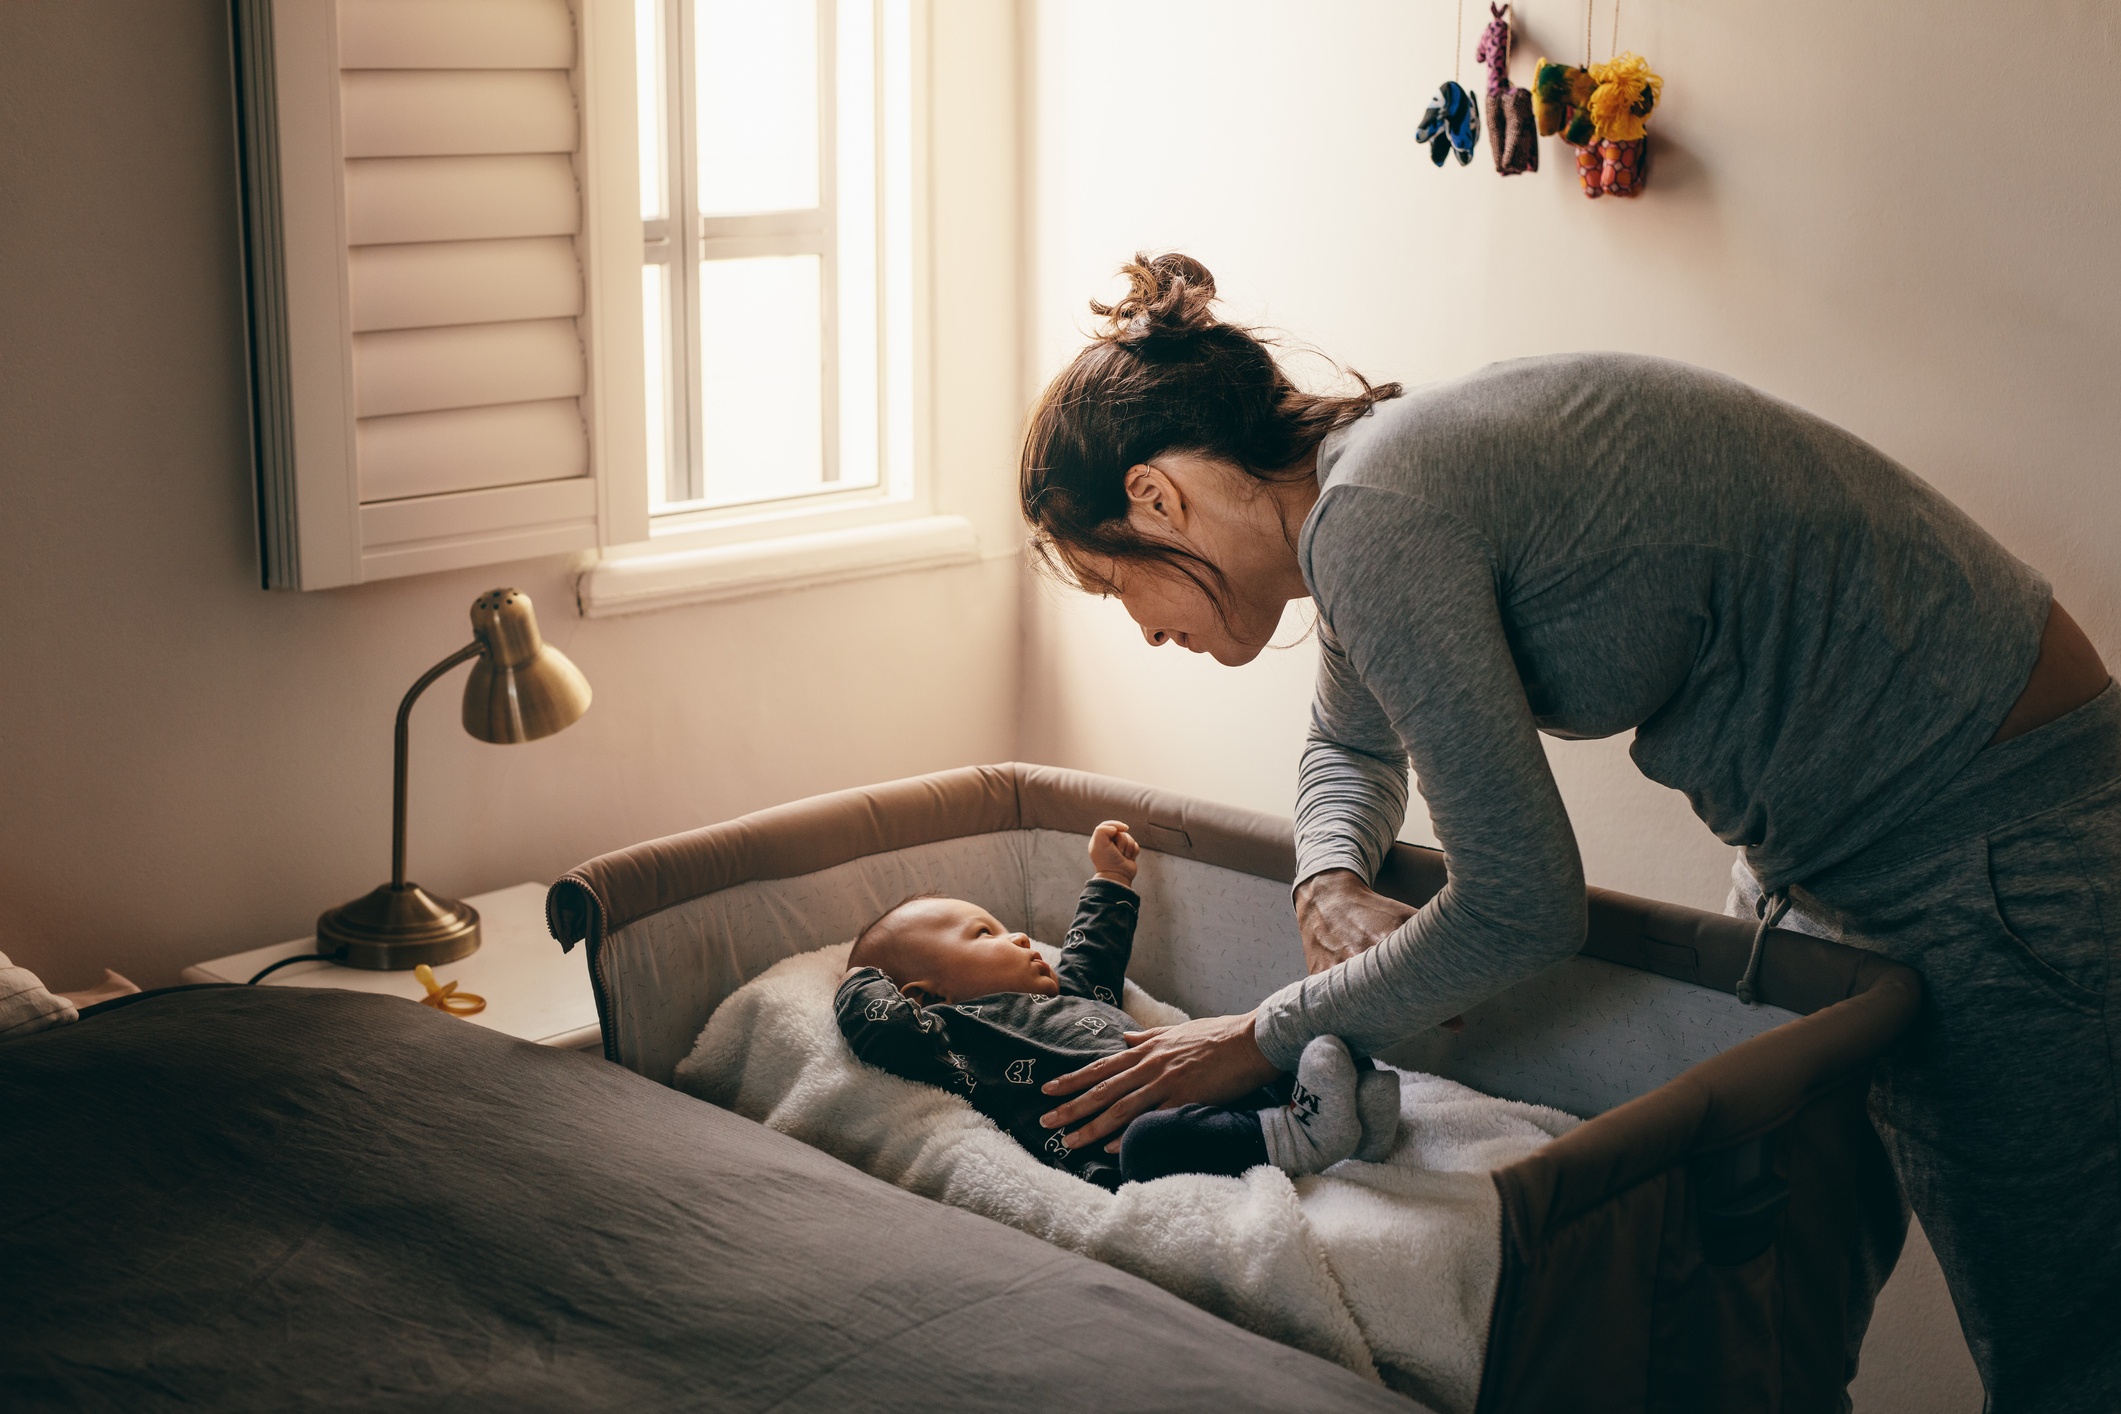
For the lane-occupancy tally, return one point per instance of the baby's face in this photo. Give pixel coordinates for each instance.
(955, 950)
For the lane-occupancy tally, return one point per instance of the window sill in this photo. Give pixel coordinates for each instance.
(639, 584)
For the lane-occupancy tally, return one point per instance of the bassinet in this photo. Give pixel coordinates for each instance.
(1713, 1239)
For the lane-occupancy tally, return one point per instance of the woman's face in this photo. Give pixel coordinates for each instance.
(1171, 608)
(1213, 510)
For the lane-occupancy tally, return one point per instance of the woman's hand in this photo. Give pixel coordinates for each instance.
(1202, 1062)
(1339, 916)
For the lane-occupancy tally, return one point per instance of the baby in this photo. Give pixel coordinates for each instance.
(939, 992)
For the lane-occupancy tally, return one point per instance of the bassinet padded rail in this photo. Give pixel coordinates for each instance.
(1712, 1238)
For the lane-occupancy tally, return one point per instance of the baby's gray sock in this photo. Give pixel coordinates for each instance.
(1319, 1126)
(1377, 1102)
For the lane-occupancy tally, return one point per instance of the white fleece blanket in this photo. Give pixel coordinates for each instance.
(1386, 1268)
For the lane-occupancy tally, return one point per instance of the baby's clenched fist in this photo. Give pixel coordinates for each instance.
(1113, 852)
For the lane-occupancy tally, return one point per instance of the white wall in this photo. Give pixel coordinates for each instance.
(1838, 212)
(190, 765)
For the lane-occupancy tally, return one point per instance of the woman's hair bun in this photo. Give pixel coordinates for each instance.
(1166, 304)
(1163, 375)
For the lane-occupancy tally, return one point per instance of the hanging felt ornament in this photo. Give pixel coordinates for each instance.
(1510, 122)
(1451, 123)
(1602, 111)
(1559, 92)
(1620, 108)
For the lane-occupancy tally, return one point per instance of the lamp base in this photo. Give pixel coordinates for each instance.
(394, 929)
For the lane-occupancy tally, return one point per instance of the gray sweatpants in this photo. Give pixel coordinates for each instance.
(2002, 1110)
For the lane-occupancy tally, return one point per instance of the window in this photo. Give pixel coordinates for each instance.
(776, 279)
(457, 217)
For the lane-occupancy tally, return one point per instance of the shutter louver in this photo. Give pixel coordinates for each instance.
(457, 123)
(463, 282)
(454, 428)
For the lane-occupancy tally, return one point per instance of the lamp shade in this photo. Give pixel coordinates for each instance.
(521, 688)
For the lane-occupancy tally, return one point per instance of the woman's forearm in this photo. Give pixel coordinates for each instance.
(1438, 963)
(1418, 644)
(1349, 807)
(1351, 783)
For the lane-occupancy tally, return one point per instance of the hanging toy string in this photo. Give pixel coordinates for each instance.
(1613, 50)
(1458, 45)
(1587, 33)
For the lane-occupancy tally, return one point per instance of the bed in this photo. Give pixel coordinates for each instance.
(1712, 1238)
(255, 1198)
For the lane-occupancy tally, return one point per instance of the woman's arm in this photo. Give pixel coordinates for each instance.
(1351, 799)
(1411, 593)
(1351, 783)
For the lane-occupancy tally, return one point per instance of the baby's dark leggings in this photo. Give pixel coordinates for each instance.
(1219, 1139)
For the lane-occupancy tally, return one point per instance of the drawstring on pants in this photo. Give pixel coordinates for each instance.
(1769, 907)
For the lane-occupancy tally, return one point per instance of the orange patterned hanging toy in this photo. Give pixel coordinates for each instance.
(1603, 111)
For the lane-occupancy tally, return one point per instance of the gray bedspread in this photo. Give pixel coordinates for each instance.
(238, 1198)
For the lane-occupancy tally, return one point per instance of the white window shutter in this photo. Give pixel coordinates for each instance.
(442, 208)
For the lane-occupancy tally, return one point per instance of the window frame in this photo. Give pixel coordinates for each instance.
(901, 489)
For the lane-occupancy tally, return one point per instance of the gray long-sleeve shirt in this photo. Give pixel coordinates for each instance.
(1806, 640)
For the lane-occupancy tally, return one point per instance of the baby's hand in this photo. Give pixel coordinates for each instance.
(1113, 852)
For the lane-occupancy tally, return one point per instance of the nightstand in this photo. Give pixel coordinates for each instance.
(532, 989)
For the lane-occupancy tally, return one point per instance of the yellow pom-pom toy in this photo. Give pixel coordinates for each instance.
(1626, 92)
(1611, 127)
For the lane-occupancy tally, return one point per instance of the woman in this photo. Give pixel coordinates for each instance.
(1846, 676)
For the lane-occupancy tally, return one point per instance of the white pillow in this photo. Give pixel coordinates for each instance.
(24, 1004)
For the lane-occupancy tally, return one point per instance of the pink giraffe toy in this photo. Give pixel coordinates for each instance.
(1512, 135)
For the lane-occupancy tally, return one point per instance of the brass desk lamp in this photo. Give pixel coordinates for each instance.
(520, 689)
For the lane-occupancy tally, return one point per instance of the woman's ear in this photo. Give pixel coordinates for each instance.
(1153, 495)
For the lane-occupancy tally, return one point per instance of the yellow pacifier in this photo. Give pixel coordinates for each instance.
(444, 996)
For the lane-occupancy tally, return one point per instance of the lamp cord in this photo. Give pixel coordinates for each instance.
(298, 957)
